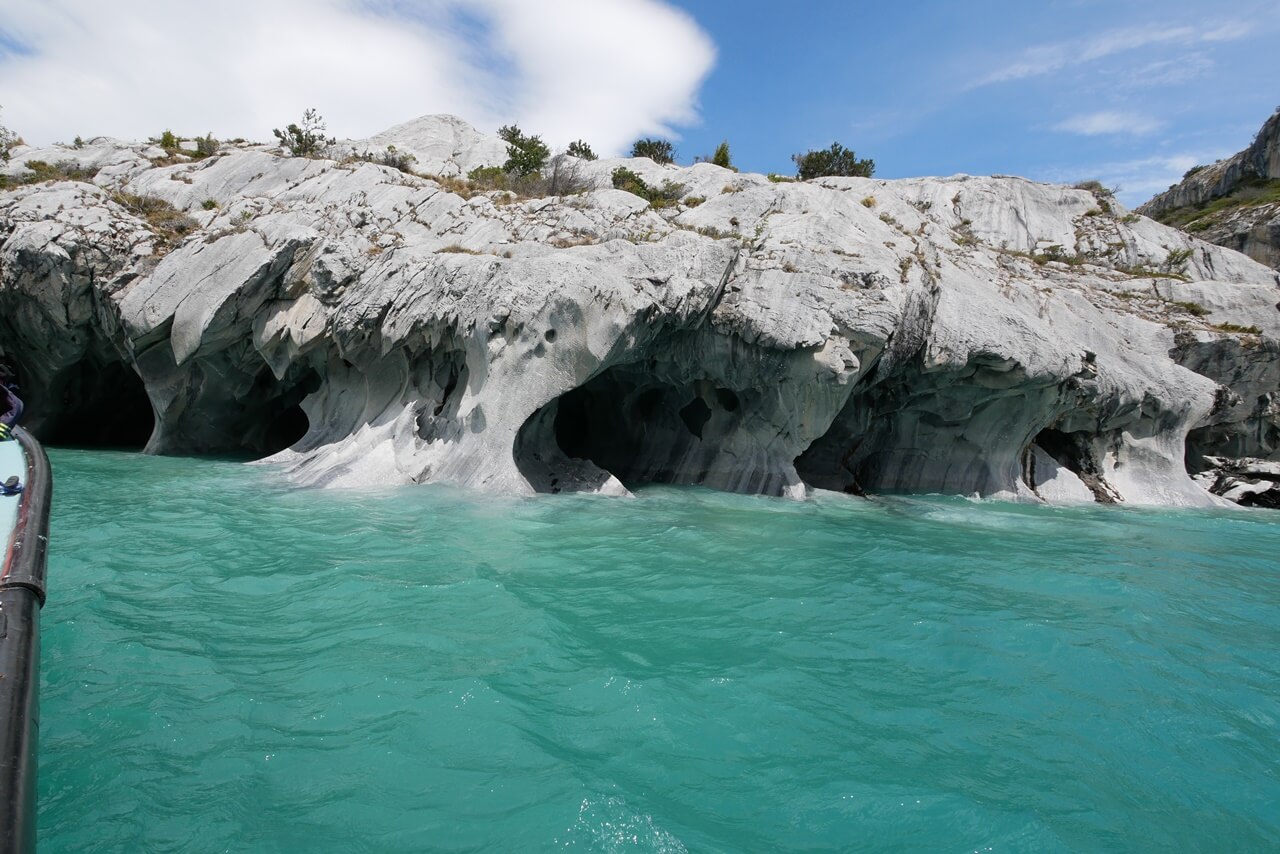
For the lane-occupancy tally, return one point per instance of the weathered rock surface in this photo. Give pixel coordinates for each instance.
(1246, 481)
(1234, 202)
(360, 325)
(439, 145)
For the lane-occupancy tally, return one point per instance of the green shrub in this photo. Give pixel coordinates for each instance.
(1177, 260)
(1103, 194)
(625, 179)
(1193, 170)
(659, 197)
(669, 193)
(1235, 327)
(525, 154)
(486, 178)
(306, 139)
(657, 150)
(206, 146)
(63, 170)
(209, 204)
(8, 139)
(78, 143)
(834, 161)
(561, 178)
(721, 157)
(168, 141)
(581, 150)
(391, 157)
(780, 179)
(166, 221)
(1192, 308)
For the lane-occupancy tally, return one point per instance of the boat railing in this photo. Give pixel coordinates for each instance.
(22, 594)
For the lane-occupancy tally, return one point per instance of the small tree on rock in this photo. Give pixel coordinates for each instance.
(525, 154)
(8, 139)
(581, 150)
(836, 160)
(657, 150)
(206, 146)
(721, 157)
(306, 139)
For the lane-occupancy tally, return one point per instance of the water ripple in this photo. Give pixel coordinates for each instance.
(234, 665)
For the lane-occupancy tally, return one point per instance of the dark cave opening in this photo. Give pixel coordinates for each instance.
(95, 405)
(1066, 448)
(609, 421)
(630, 423)
(285, 429)
(277, 421)
(1076, 452)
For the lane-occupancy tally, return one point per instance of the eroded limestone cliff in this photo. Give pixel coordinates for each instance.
(1234, 202)
(359, 325)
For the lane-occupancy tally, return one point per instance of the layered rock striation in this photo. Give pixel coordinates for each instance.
(357, 324)
(1234, 202)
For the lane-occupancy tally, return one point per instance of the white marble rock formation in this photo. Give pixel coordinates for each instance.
(975, 336)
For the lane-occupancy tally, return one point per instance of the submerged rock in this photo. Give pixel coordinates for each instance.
(357, 324)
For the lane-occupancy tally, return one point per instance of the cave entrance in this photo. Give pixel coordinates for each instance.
(96, 405)
(1077, 453)
(631, 424)
(272, 417)
(285, 430)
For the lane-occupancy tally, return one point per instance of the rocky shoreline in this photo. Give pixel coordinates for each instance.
(358, 324)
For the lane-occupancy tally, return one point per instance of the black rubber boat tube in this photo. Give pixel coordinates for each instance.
(22, 592)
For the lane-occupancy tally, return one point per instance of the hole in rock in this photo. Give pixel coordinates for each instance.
(628, 423)
(1063, 447)
(288, 428)
(695, 416)
(96, 405)
(440, 379)
(271, 417)
(1075, 452)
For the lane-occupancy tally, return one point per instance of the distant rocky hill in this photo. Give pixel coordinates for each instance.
(385, 322)
(1234, 202)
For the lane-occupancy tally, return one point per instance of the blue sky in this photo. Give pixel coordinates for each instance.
(1132, 92)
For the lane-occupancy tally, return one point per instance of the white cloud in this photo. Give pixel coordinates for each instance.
(603, 70)
(1048, 58)
(1139, 179)
(1110, 122)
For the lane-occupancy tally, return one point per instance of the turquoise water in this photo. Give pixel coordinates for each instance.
(233, 665)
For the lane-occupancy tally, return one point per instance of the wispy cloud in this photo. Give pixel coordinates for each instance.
(1228, 31)
(1141, 178)
(1167, 72)
(566, 69)
(1110, 122)
(1048, 58)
